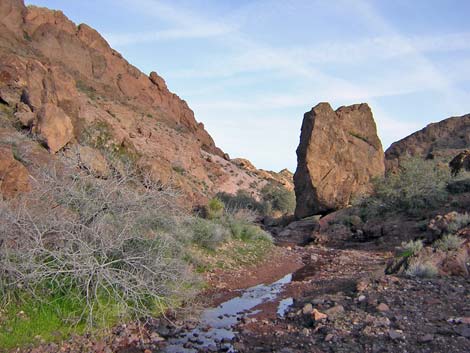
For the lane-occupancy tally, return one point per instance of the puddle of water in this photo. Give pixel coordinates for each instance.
(283, 306)
(215, 330)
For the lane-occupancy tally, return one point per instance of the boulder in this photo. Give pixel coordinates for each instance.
(14, 177)
(92, 160)
(338, 155)
(298, 233)
(24, 115)
(54, 126)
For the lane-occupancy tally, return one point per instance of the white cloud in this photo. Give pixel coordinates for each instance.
(205, 31)
(406, 69)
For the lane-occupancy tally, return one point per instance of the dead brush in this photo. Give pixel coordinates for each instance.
(117, 242)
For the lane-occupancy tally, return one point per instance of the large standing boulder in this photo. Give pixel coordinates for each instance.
(338, 155)
(14, 177)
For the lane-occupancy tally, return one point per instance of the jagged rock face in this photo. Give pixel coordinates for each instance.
(442, 140)
(338, 155)
(284, 177)
(68, 86)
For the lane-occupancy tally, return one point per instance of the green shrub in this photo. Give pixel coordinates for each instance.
(419, 185)
(411, 248)
(215, 208)
(460, 221)
(242, 200)
(422, 269)
(208, 234)
(449, 242)
(278, 198)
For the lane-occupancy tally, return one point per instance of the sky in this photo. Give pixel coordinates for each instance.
(250, 69)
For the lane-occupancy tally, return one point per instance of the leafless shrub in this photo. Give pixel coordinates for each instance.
(117, 241)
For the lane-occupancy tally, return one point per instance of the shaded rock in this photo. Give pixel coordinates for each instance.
(334, 311)
(382, 307)
(14, 177)
(92, 160)
(331, 167)
(307, 309)
(298, 233)
(24, 115)
(54, 126)
(459, 162)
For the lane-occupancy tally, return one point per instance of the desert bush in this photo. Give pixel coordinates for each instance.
(449, 242)
(100, 243)
(242, 200)
(215, 208)
(460, 221)
(419, 185)
(278, 198)
(411, 248)
(208, 234)
(421, 268)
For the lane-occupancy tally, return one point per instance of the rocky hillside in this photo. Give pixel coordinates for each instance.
(64, 89)
(441, 140)
(333, 148)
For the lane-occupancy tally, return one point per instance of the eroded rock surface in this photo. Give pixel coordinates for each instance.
(338, 155)
(442, 140)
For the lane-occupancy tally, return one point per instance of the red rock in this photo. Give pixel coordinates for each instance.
(54, 126)
(338, 155)
(14, 177)
(318, 316)
(443, 139)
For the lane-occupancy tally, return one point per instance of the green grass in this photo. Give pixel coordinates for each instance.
(40, 321)
(30, 321)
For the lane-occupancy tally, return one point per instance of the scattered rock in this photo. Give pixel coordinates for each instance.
(395, 334)
(382, 307)
(334, 311)
(307, 309)
(318, 316)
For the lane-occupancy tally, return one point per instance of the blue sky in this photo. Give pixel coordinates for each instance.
(250, 69)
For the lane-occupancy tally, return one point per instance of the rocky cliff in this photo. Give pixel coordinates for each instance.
(338, 155)
(442, 140)
(64, 86)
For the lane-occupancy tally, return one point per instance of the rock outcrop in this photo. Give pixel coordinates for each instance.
(65, 84)
(14, 177)
(338, 155)
(442, 140)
